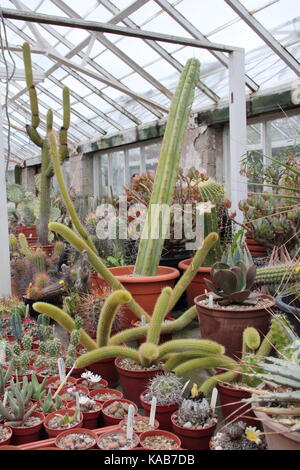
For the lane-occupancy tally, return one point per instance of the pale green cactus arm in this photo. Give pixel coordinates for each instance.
(160, 311)
(106, 352)
(201, 345)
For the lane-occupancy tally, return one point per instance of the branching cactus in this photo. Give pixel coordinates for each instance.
(42, 143)
(150, 248)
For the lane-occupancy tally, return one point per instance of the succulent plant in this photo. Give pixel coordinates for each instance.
(18, 397)
(166, 388)
(237, 436)
(195, 412)
(49, 404)
(232, 284)
(38, 389)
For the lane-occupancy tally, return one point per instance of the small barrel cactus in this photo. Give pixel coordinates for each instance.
(166, 388)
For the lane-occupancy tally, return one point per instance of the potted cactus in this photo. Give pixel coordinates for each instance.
(238, 436)
(195, 421)
(76, 439)
(230, 306)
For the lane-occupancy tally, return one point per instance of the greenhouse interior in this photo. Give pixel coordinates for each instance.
(150, 226)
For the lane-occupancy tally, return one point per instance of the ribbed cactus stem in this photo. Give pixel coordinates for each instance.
(201, 345)
(159, 313)
(106, 352)
(63, 134)
(108, 314)
(24, 247)
(38, 257)
(16, 326)
(192, 270)
(276, 274)
(251, 340)
(150, 248)
(210, 226)
(45, 201)
(65, 321)
(266, 345)
(35, 120)
(97, 263)
(132, 334)
(65, 194)
(211, 382)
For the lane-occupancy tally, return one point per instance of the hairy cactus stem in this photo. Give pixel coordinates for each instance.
(159, 313)
(107, 352)
(201, 345)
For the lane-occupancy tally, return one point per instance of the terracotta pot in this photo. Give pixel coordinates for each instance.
(28, 230)
(55, 432)
(110, 420)
(233, 408)
(163, 413)
(76, 372)
(104, 391)
(278, 436)
(7, 441)
(135, 439)
(76, 431)
(48, 249)
(197, 286)
(134, 382)
(159, 432)
(226, 326)
(8, 447)
(163, 338)
(33, 241)
(144, 289)
(123, 423)
(78, 388)
(107, 369)
(103, 382)
(193, 439)
(24, 435)
(90, 418)
(54, 378)
(256, 249)
(96, 282)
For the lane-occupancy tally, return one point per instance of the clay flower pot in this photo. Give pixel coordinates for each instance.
(90, 418)
(278, 437)
(60, 438)
(53, 432)
(256, 249)
(134, 382)
(28, 230)
(111, 420)
(159, 432)
(110, 441)
(197, 286)
(193, 439)
(144, 289)
(102, 382)
(103, 391)
(233, 408)
(26, 434)
(9, 431)
(106, 368)
(163, 413)
(226, 325)
(77, 388)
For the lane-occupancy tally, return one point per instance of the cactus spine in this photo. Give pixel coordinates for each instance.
(46, 167)
(278, 273)
(150, 249)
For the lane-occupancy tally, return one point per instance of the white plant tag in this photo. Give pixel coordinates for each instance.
(2, 352)
(130, 420)
(210, 301)
(143, 320)
(61, 368)
(77, 402)
(184, 387)
(153, 411)
(214, 397)
(5, 398)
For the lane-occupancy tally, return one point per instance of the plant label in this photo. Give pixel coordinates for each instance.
(61, 368)
(153, 411)
(214, 397)
(77, 402)
(130, 421)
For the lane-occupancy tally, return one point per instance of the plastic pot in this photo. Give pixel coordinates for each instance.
(103, 391)
(110, 420)
(197, 286)
(278, 436)
(106, 368)
(159, 432)
(54, 432)
(76, 431)
(24, 435)
(288, 304)
(226, 325)
(144, 289)
(123, 423)
(256, 249)
(78, 388)
(54, 378)
(163, 413)
(6, 441)
(134, 382)
(135, 439)
(103, 382)
(193, 439)
(90, 418)
(233, 408)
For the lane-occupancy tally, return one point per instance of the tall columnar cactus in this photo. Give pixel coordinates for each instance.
(285, 273)
(24, 247)
(150, 248)
(42, 143)
(16, 325)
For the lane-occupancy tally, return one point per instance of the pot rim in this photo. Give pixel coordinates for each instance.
(157, 406)
(253, 308)
(212, 426)
(167, 273)
(279, 428)
(161, 432)
(118, 359)
(184, 264)
(120, 431)
(105, 390)
(76, 431)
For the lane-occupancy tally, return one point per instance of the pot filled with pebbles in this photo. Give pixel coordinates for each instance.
(114, 411)
(76, 439)
(117, 440)
(194, 422)
(134, 377)
(90, 409)
(62, 420)
(69, 393)
(159, 440)
(29, 430)
(92, 381)
(52, 383)
(5, 434)
(105, 394)
(238, 436)
(140, 424)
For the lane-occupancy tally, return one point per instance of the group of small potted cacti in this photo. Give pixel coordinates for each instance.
(67, 390)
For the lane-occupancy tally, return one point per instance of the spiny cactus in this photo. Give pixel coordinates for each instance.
(150, 249)
(280, 273)
(166, 388)
(34, 135)
(24, 247)
(195, 413)
(234, 284)
(16, 326)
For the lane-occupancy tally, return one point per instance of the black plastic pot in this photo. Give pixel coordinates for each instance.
(287, 303)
